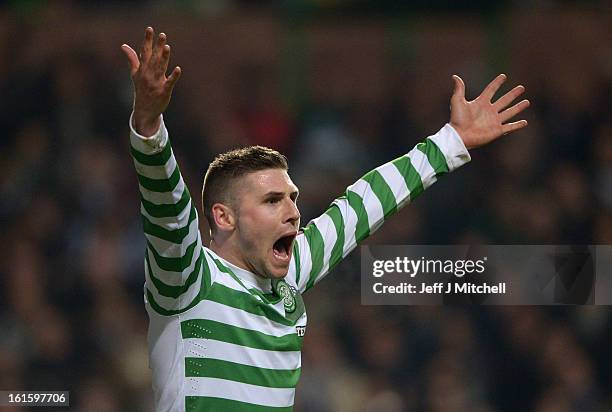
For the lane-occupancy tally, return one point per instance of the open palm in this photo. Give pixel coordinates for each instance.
(152, 88)
(481, 121)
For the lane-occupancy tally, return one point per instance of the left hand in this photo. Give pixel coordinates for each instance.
(480, 121)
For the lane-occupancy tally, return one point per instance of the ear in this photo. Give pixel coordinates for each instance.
(224, 217)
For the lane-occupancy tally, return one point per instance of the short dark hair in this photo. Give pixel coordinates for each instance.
(228, 166)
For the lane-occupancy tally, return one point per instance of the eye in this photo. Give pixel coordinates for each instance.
(273, 200)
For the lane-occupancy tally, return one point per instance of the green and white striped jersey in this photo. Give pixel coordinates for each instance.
(222, 338)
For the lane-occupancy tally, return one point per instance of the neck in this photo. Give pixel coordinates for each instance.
(246, 274)
(222, 249)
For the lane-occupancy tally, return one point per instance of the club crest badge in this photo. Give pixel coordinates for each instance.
(293, 304)
(287, 293)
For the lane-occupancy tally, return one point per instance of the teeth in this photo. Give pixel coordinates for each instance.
(282, 247)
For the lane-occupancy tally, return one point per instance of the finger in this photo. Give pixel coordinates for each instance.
(511, 127)
(159, 45)
(173, 78)
(147, 45)
(514, 110)
(459, 91)
(492, 87)
(164, 59)
(132, 58)
(508, 98)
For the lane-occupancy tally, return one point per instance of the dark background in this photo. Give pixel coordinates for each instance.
(340, 87)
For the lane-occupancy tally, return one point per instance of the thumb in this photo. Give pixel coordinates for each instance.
(459, 91)
(132, 58)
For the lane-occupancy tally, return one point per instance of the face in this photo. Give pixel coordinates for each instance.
(267, 221)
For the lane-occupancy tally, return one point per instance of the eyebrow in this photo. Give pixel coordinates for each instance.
(293, 194)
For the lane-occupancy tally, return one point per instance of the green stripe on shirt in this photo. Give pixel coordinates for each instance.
(336, 255)
(382, 191)
(410, 175)
(245, 301)
(170, 235)
(160, 185)
(316, 246)
(170, 312)
(174, 264)
(237, 372)
(210, 329)
(167, 209)
(296, 258)
(211, 404)
(434, 156)
(156, 159)
(362, 229)
(172, 291)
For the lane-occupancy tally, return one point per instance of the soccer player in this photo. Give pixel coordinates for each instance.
(227, 321)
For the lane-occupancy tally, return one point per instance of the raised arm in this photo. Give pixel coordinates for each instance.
(367, 203)
(175, 267)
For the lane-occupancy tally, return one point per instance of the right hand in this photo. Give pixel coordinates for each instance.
(152, 89)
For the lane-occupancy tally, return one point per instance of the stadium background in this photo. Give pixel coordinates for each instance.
(340, 86)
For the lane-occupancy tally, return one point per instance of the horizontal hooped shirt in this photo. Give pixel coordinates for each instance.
(222, 338)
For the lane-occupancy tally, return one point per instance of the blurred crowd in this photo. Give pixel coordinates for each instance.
(339, 94)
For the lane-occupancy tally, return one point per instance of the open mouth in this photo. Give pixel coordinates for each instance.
(282, 247)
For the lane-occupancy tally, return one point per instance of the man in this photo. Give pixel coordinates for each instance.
(227, 321)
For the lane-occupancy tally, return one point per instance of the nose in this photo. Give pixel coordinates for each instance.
(293, 213)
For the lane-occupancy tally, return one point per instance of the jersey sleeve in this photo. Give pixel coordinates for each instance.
(368, 202)
(176, 270)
